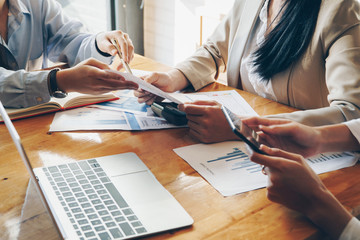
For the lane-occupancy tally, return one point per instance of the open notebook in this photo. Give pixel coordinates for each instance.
(73, 100)
(111, 197)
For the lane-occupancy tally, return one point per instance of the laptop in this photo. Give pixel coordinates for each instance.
(111, 197)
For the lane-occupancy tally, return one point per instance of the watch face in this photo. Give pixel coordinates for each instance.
(59, 94)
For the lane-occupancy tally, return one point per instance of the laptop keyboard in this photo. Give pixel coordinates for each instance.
(94, 206)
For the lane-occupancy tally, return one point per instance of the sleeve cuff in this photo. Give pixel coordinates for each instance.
(351, 231)
(197, 80)
(354, 127)
(36, 88)
(97, 54)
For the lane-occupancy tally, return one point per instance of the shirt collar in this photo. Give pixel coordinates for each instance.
(17, 9)
(263, 13)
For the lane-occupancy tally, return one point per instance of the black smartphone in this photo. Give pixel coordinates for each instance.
(170, 112)
(248, 135)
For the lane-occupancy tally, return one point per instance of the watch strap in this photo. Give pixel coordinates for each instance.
(52, 84)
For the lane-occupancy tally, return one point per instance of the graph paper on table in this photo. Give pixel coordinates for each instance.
(227, 167)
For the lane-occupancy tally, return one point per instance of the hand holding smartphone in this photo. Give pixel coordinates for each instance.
(248, 135)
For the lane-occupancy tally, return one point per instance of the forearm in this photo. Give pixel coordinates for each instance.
(328, 213)
(20, 89)
(199, 69)
(337, 137)
(204, 66)
(339, 112)
(179, 80)
(79, 49)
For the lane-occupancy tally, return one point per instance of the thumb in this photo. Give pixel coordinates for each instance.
(278, 130)
(96, 63)
(205, 103)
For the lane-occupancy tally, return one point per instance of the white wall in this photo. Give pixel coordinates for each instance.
(159, 25)
(172, 27)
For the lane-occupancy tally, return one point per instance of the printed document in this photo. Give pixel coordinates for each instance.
(127, 114)
(148, 87)
(227, 167)
(93, 118)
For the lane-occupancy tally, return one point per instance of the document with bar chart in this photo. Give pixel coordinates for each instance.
(227, 167)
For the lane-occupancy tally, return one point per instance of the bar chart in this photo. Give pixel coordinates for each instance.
(238, 160)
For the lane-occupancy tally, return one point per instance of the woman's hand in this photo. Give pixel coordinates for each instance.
(295, 185)
(207, 122)
(170, 81)
(90, 77)
(291, 181)
(103, 41)
(288, 135)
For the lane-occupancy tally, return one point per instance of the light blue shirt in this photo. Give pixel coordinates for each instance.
(39, 31)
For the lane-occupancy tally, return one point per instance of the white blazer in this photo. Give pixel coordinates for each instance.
(326, 79)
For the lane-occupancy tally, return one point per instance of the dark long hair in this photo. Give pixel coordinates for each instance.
(289, 38)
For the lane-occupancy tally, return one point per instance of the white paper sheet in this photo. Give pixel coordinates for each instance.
(232, 100)
(147, 86)
(127, 114)
(93, 118)
(126, 103)
(227, 167)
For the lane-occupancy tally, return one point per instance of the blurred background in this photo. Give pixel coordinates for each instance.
(167, 31)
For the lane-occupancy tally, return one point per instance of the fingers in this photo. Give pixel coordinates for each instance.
(130, 48)
(264, 159)
(125, 44)
(103, 41)
(154, 79)
(288, 129)
(144, 96)
(112, 85)
(268, 140)
(95, 63)
(206, 103)
(119, 65)
(274, 130)
(112, 80)
(256, 121)
(263, 139)
(198, 108)
(140, 93)
(195, 134)
(106, 80)
(150, 100)
(275, 158)
(275, 152)
(161, 80)
(157, 79)
(199, 119)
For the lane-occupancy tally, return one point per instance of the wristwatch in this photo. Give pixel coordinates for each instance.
(52, 84)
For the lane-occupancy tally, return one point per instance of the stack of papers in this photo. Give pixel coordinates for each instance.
(127, 114)
(123, 114)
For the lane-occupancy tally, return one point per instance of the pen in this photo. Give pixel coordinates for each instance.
(126, 66)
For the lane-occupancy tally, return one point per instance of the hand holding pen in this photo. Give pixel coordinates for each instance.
(124, 45)
(125, 64)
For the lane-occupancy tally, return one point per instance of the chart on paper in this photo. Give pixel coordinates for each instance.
(227, 167)
(237, 161)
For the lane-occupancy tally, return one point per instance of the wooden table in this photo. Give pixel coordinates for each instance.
(244, 216)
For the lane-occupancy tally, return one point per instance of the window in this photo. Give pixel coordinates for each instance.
(94, 14)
